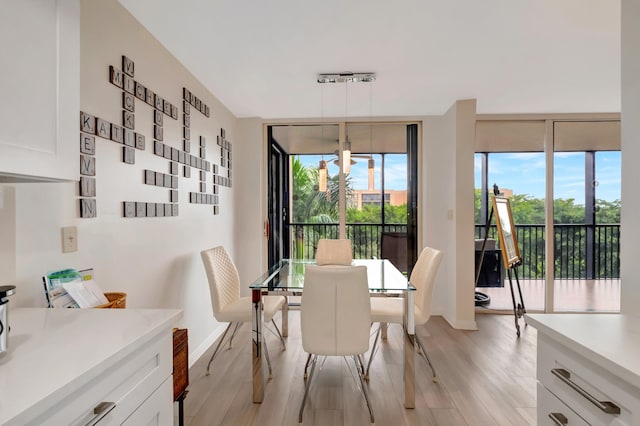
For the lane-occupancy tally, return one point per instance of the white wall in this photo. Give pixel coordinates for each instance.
(250, 203)
(630, 226)
(155, 261)
(447, 209)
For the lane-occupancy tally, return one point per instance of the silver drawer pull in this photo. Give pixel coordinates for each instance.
(606, 406)
(558, 418)
(100, 411)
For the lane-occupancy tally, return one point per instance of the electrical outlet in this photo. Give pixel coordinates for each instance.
(69, 239)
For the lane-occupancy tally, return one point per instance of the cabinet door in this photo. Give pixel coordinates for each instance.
(40, 89)
(157, 410)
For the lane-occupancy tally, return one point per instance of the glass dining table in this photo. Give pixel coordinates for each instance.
(287, 278)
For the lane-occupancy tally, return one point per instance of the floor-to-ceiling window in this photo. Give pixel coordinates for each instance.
(376, 201)
(519, 176)
(587, 231)
(572, 265)
(376, 184)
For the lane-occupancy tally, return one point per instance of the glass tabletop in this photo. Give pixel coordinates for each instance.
(288, 274)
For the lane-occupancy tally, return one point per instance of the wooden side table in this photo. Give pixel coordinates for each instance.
(180, 369)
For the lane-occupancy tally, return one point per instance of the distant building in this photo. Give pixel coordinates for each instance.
(360, 197)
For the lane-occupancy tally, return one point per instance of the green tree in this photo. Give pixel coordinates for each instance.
(308, 204)
(566, 212)
(608, 211)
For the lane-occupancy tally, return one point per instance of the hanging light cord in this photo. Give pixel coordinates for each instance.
(371, 120)
(322, 120)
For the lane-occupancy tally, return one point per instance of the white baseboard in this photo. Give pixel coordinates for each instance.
(461, 325)
(204, 346)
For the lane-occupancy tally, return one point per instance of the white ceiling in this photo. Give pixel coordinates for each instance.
(261, 58)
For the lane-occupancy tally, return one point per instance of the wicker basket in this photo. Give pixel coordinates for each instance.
(116, 301)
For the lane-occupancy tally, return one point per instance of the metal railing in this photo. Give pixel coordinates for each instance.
(365, 237)
(577, 255)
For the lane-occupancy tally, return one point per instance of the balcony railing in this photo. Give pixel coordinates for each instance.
(365, 237)
(581, 251)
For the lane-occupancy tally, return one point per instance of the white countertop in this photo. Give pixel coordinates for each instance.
(609, 340)
(54, 351)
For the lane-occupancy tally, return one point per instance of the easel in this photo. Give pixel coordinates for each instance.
(511, 258)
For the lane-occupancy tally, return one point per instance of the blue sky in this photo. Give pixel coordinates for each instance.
(524, 173)
(395, 170)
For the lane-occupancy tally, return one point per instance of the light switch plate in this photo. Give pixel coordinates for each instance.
(69, 239)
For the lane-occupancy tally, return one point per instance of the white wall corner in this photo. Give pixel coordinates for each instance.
(630, 128)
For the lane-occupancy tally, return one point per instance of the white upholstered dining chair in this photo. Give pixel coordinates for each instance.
(228, 306)
(331, 252)
(334, 252)
(385, 310)
(335, 318)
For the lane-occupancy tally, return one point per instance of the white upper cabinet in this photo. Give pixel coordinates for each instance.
(39, 89)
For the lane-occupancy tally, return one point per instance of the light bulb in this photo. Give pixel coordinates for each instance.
(371, 170)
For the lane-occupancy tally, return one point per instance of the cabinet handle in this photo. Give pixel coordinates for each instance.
(100, 411)
(606, 406)
(558, 418)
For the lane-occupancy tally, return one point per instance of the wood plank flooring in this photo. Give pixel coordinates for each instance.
(486, 377)
(570, 295)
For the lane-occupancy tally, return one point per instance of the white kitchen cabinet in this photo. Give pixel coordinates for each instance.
(39, 90)
(64, 363)
(154, 411)
(588, 369)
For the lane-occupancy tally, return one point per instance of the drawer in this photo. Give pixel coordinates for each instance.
(128, 384)
(578, 379)
(157, 410)
(549, 406)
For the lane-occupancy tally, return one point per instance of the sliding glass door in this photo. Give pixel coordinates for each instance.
(376, 188)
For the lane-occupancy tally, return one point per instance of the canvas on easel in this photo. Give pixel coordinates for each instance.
(506, 231)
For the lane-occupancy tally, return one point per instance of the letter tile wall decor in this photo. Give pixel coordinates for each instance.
(133, 143)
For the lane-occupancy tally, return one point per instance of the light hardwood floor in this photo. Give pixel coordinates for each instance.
(486, 377)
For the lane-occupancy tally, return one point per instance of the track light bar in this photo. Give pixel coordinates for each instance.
(347, 77)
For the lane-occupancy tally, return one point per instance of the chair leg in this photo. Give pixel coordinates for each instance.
(218, 347)
(426, 356)
(373, 353)
(284, 346)
(364, 392)
(306, 388)
(235, 330)
(306, 365)
(266, 355)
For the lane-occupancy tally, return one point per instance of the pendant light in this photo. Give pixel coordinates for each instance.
(346, 156)
(347, 77)
(322, 176)
(322, 167)
(346, 147)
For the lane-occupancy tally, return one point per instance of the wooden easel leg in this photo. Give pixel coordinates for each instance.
(521, 309)
(513, 300)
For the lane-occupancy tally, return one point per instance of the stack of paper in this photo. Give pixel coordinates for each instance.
(73, 289)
